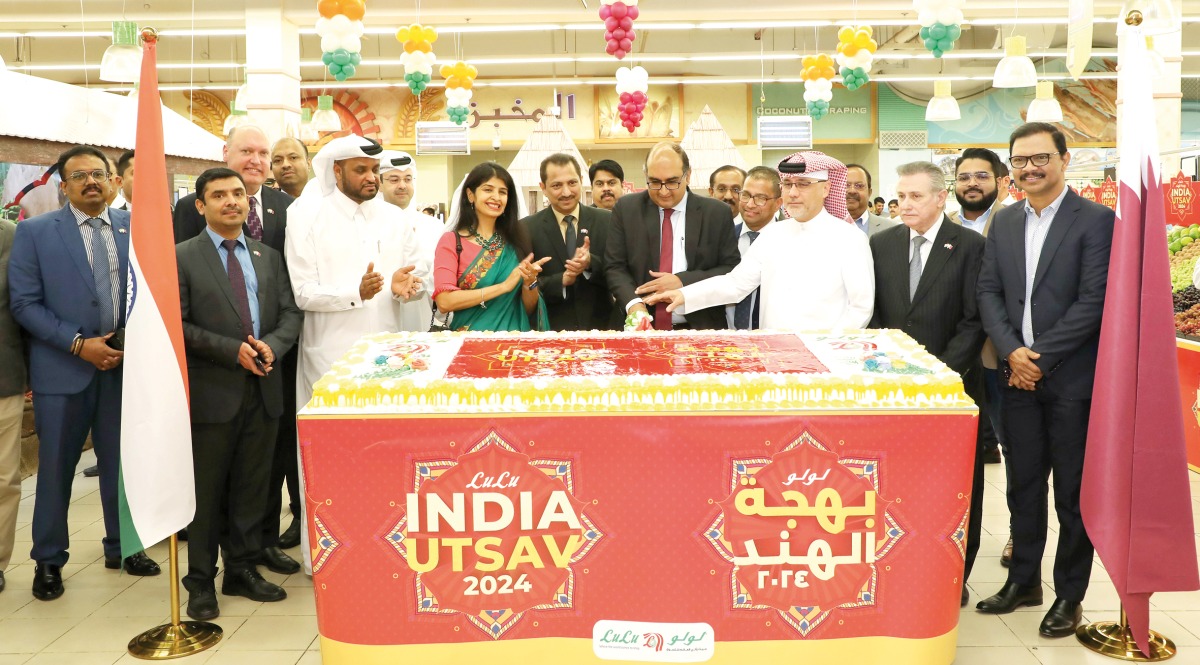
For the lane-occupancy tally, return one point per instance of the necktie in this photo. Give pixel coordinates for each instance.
(102, 274)
(237, 282)
(914, 267)
(253, 221)
(571, 238)
(749, 304)
(666, 259)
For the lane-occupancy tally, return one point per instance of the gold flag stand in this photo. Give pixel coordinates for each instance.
(178, 638)
(1115, 640)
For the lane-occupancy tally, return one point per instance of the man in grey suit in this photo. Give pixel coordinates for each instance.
(858, 199)
(13, 381)
(1041, 296)
(239, 316)
(574, 237)
(925, 274)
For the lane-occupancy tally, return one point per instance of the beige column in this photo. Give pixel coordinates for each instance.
(272, 69)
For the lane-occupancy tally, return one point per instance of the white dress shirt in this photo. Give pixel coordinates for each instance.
(743, 247)
(678, 256)
(927, 246)
(1037, 227)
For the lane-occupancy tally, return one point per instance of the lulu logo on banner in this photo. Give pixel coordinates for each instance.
(493, 534)
(805, 531)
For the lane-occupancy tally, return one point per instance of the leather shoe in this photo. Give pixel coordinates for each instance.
(277, 562)
(966, 595)
(202, 605)
(181, 535)
(47, 581)
(91, 471)
(139, 564)
(291, 536)
(1006, 554)
(1062, 619)
(1010, 597)
(250, 584)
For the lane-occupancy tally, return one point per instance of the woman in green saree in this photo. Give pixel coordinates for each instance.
(479, 275)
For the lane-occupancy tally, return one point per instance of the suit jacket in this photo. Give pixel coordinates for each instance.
(990, 358)
(189, 223)
(587, 304)
(53, 295)
(13, 377)
(634, 241)
(943, 315)
(1068, 291)
(877, 223)
(212, 327)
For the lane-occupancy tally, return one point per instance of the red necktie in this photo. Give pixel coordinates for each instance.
(666, 256)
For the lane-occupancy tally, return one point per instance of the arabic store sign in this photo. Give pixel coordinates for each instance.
(851, 116)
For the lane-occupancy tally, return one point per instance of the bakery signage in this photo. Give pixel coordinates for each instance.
(805, 531)
(494, 534)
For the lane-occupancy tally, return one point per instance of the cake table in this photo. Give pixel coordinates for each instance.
(724, 497)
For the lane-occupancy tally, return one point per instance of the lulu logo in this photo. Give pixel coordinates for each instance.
(804, 530)
(493, 529)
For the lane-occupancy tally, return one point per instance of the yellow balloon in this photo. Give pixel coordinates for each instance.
(430, 35)
(808, 61)
(472, 72)
(868, 28)
(862, 39)
(846, 34)
(446, 71)
(872, 46)
(402, 35)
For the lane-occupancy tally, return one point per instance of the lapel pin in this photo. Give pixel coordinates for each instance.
(270, 211)
(948, 246)
(256, 253)
(122, 231)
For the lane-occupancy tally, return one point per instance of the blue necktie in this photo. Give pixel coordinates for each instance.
(749, 305)
(102, 274)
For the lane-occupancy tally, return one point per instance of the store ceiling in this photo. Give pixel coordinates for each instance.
(562, 40)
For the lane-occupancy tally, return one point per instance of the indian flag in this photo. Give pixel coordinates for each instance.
(157, 491)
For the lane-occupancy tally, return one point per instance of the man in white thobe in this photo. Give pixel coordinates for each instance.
(814, 271)
(398, 184)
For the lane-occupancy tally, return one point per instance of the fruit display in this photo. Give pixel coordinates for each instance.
(1183, 243)
(1186, 299)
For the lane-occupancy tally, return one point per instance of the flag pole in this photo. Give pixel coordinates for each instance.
(178, 638)
(1115, 640)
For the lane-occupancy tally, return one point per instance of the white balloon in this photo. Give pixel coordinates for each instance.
(329, 43)
(863, 58)
(826, 96)
(808, 96)
(424, 69)
(322, 26)
(340, 23)
(927, 17)
(640, 72)
(357, 28)
(949, 16)
(352, 44)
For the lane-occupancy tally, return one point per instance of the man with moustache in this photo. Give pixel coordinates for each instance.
(574, 237)
(858, 193)
(67, 284)
(289, 165)
(814, 270)
(925, 277)
(238, 318)
(725, 185)
(893, 209)
(608, 180)
(760, 198)
(664, 238)
(398, 175)
(1041, 295)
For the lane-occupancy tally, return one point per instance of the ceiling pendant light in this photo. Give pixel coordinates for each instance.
(241, 99)
(1044, 107)
(122, 61)
(1016, 70)
(308, 133)
(236, 118)
(943, 106)
(326, 119)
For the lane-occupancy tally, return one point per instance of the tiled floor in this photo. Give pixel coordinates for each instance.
(102, 610)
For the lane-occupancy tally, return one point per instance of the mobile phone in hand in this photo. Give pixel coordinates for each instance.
(258, 362)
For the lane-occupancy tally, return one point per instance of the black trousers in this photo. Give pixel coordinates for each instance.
(1047, 435)
(283, 461)
(233, 469)
(973, 385)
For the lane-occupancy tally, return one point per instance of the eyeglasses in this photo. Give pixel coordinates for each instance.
(981, 176)
(722, 189)
(797, 184)
(858, 186)
(759, 199)
(396, 180)
(81, 176)
(670, 185)
(1040, 159)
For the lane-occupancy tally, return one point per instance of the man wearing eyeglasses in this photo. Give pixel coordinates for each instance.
(664, 238)
(1041, 296)
(760, 199)
(858, 194)
(815, 270)
(67, 285)
(725, 185)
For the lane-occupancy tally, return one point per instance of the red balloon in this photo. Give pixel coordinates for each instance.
(619, 10)
(605, 12)
(611, 49)
(626, 97)
(629, 34)
(611, 23)
(618, 34)
(639, 97)
(608, 35)
(632, 12)
(626, 45)
(625, 24)
(619, 53)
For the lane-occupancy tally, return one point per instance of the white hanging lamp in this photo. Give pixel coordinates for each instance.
(122, 61)
(1015, 70)
(943, 106)
(308, 133)
(326, 119)
(1044, 107)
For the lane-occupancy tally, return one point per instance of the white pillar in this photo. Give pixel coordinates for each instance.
(272, 69)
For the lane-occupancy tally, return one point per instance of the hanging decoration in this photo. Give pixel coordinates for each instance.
(418, 55)
(941, 23)
(340, 28)
(632, 85)
(818, 76)
(460, 77)
(855, 54)
(618, 20)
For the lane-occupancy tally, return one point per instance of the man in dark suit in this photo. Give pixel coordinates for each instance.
(67, 280)
(249, 154)
(652, 250)
(238, 317)
(925, 275)
(574, 237)
(1041, 296)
